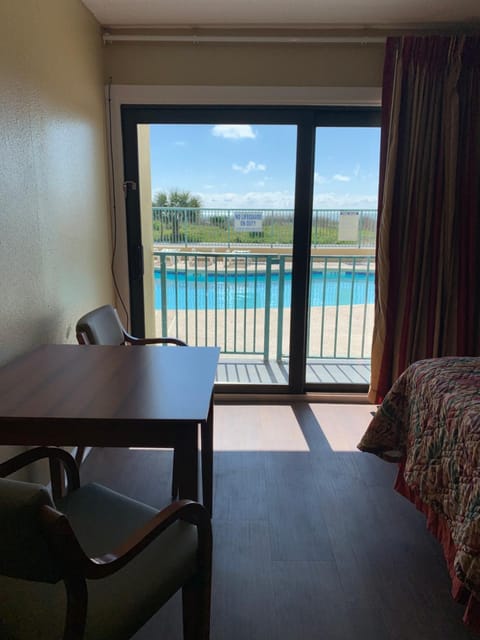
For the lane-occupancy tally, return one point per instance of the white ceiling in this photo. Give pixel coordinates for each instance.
(282, 13)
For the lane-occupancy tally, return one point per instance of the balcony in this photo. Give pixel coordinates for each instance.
(237, 295)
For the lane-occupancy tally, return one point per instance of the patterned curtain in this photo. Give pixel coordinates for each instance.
(428, 236)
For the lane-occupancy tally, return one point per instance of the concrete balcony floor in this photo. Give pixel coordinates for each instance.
(235, 370)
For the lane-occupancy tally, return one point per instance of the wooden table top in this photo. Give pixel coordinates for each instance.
(141, 383)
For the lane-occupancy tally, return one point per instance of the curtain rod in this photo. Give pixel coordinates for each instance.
(194, 39)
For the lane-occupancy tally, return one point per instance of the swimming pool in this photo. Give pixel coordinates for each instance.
(187, 290)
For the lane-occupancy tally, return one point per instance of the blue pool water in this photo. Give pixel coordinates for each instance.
(185, 290)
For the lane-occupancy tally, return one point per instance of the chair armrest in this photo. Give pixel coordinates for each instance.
(72, 554)
(82, 338)
(142, 341)
(57, 457)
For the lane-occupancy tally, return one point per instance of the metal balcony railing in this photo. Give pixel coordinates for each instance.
(219, 227)
(240, 301)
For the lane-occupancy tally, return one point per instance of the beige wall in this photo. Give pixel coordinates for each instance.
(54, 212)
(331, 65)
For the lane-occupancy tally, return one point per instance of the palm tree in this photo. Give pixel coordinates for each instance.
(178, 200)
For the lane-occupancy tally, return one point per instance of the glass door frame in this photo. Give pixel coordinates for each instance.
(307, 119)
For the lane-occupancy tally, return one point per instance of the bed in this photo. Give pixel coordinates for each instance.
(429, 423)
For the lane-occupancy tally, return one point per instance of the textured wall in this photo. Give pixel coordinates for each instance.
(324, 65)
(54, 213)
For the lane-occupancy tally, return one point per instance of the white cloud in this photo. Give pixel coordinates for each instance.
(180, 143)
(338, 177)
(250, 200)
(250, 166)
(334, 200)
(356, 171)
(283, 200)
(233, 131)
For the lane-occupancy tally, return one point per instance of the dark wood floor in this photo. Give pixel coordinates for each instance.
(310, 540)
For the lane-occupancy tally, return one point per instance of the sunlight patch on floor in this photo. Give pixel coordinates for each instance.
(257, 428)
(343, 424)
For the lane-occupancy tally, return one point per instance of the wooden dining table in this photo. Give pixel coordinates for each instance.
(115, 396)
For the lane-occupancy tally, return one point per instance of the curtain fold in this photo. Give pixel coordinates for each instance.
(428, 235)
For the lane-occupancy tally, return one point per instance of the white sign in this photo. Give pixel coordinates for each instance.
(348, 226)
(248, 221)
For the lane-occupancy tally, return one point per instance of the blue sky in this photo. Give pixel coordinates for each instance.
(253, 166)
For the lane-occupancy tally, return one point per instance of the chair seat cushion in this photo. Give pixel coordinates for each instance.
(120, 604)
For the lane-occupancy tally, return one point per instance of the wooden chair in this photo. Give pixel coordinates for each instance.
(96, 565)
(102, 326)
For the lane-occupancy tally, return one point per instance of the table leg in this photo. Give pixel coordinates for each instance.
(186, 461)
(57, 476)
(207, 460)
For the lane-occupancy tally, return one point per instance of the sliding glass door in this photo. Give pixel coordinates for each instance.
(220, 235)
(342, 274)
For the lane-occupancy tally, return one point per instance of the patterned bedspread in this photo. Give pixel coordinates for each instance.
(430, 422)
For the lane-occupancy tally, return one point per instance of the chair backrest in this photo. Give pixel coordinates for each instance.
(24, 549)
(101, 326)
